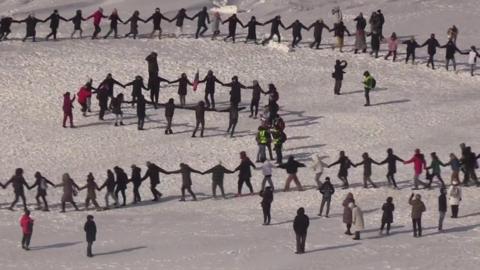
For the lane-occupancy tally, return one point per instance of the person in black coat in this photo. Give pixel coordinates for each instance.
(153, 172)
(340, 66)
(218, 173)
(291, 166)
(367, 169)
(18, 182)
(110, 184)
(31, 23)
(327, 190)
(391, 160)
(200, 118)
(245, 173)
(5, 23)
(153, 82)
(387, 216)
(156, 18)
(375, 39)
(136, 179)
(412, 45)
(54, 24)
(141, 104)
(300, 226)
(256, 94)
(202, 21)
(114, 19)
(296, 27)
(318, 26)
(122, 181)
(210, 81)
(252, 30)
(102, 96)
(110, 83)
(442, 207)
(267, 199)
(432, 45)
(381, 22)
(235, 91)
(137, 86)
(179, 19)
(274, 31)
(345, 164)
(134, 24)
(42, 184)
(77, 23)
(232, 27)
(169, 112)
(90, 229)
(183, 83)
(450, 49)
(117, 109)
(232, 120)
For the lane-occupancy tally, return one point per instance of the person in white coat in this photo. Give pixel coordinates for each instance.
(454, 197)
(472, 59)
(357, 220)
(267, 174)
(318, 167)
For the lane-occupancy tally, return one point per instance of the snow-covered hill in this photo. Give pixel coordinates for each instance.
(413, 107)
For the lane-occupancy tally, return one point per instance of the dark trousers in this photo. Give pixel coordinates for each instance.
(122, 191)
(254, 107)
(344, 180)
(154, 96)
(89, 249)
(67, 116)
(156, 194)
(367, 97)
(19, 196)
(199, 123)
(245, 180)
(231, 126)
(232, 35)
(394, 53)
(431, 61)
(201, 29)
(141, 122)
(266, 213)
(96, 32)
(439, 177)
(278, 152)
(271, 37)
(269, 148)
(44, 199)
(26, 240)
(410, 54)
(301, 240)
(189, 189)
(337, 87)
(470, 174)
(391, 179)
(296, 40)
(383, 226)
(447, 63)
(103, 109)
(53, 33)
(112, 30)
(316, 43)
(417, 227)
(454, 211)
(94, 202)
(211, 101)
(214, 188)
(73, 204)
(327, 202)
(168, 130)
(136, 194)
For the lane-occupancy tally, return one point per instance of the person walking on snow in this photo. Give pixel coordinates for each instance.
(442, 208)
(291, 166)
(18, 182)
(183, 83)
(318, 27)
(419, 164)
(345, 164)
(90, 229)
(232, 120)
(210, 80)
(327, 190)
(117, 109)
(455, 166)
(179, 19)
(200, 119)
(97, 19)
(122, 182)
(202, 21)
(5, 24)
(186, 172)
(68, 109)
(42, 184)
(340, 66)
(296, 27)
(432, 45)
(84, 97)
(339, 30)
(54, 19)
(369, 84)
(91, 187)
(216, 21)
(134, 24)
(114, 19)
(26, 223)
(110, 185)
(472, 59)
(141, 111)
(218, 173)
(319, 167)
(387, 216)
(153, 172)
(412, 45)
(235, 91)
(278, 139)
(391, 162)
(77, 23)
(274, 31)
(357, 220)
(450, 49)
(252, 30)
(245, 173)
(392, 46)
(137, 86)
(169, 112)
(267, 199)
(156, 19)
(436, 171)
(418, 207)
(262, 140)
(360, 35)
(136, 179)
(31, 23)
(367, 170)
(347, 212)
(300, 226)
(455, 197)
(267, 174)
(70, 189)
(232, 27)
(153, 82)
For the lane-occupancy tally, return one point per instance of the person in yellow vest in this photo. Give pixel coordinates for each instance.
(278, 138)
(368, 84)
(262, 141)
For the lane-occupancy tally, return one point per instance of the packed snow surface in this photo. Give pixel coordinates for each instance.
(412, 107)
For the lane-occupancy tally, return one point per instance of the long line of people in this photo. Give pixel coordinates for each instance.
(376, 22)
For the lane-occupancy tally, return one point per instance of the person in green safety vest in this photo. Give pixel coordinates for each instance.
(278, 139)
(262, 141)
(369, 84)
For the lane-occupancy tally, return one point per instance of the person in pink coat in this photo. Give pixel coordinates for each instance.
(97, 18)
(26, 223)
(392, 46)
(67, 109)
(419, 164)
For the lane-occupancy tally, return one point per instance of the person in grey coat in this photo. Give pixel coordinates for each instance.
(70, 189)
(327, 190)
(418, 207)
(347, 212)
(186, 172)
(218, 172)
(367, 170)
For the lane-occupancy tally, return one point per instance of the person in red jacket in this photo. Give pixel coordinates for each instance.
(26, 222)
(97, 18)
(84, 96)
(67, 109)
(419, 164)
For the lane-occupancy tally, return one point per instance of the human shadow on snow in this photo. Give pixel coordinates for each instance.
(57, 245)
(332, 248)
(120, 251)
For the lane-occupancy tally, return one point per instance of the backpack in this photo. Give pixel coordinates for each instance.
(374, 83)
(283, 137)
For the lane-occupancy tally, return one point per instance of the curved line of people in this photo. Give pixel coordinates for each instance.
(117, 180)
(376, 22)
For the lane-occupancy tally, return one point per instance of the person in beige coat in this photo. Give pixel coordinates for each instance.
(418, 207)
(357, 220)
(454, 197)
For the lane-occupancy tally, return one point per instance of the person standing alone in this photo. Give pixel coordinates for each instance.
(300, 226)
(90, 229)
(26, 222)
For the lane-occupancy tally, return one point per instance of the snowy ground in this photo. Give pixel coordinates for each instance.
(413, 107)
